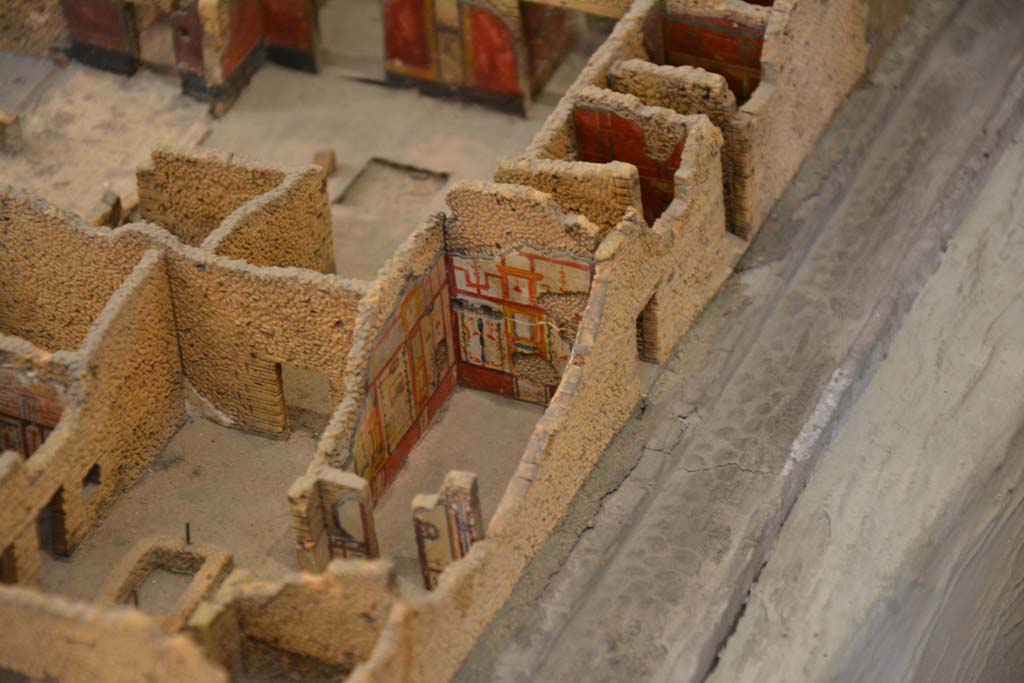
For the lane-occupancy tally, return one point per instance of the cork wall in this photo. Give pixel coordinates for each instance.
(519, 275)
(32, 27)
(808, 58)
(691, 90)
(206, 565)
(317, 626)
(289, 226)
(190, 193)
(58, 272)
(86, 643)
(252, 295)
(168, 317)
(601, 192)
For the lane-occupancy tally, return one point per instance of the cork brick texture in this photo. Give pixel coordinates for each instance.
(652, 171)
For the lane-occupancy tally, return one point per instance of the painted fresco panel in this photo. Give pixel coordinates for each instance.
(245, 35)
(396, 399)
(477, 276)
(500, 320)
(495, 61)
(288, 23)
(520, 287)
(562, 276)
(369, 446)
(447, 524)
(482, 339)
(410, 366)
(97, 22)
(408, 31)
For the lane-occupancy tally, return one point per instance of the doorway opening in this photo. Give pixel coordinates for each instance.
(50, 527)
(307, 397)
(8, 566)
(646, 343)
(91, 484)
(156, 45)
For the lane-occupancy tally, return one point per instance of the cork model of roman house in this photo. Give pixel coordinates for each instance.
(197, 336)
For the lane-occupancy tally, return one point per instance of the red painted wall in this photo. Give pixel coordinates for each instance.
(410, 375)
(495, 66)
(288, 23)
(246, 33)
(97, 22)
(602, 137)
(406, 31)
(29, 410)
(546, 40)
(719, 45)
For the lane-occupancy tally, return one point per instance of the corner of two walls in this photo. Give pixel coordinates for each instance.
(58, 272)
(191, 192)
(520, 276)
(248, 294)
(399, 370)
(289, 226)
(334, 617)
(95, 643)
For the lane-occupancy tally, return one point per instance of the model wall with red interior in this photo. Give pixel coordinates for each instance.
(409, 377)
(289, 23)
(547, 38)
(602, 137)
(719, 45)
(188, 41)
(101, 23)
(102, 33)
(475, 51)
(495, 65)
(29, 410)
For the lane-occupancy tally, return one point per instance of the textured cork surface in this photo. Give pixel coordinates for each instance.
(229, 278)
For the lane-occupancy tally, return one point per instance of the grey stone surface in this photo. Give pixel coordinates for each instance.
(903, 558)
(21, 78)
(827, 280)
